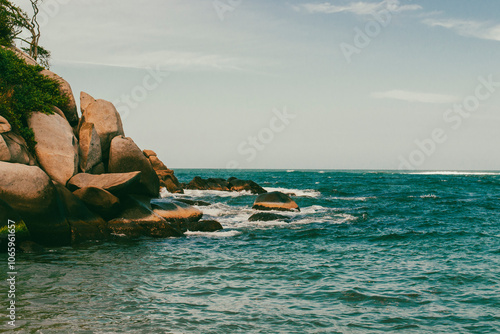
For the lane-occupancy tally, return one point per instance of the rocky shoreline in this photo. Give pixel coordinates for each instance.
(87, 181)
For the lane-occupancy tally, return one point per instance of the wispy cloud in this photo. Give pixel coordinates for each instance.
(357, 8)
(468, 28)
(421, 97)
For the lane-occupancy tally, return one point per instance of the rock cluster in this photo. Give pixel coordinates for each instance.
(86, 180)
(231, 184)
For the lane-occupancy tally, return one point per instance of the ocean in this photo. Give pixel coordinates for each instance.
(369, 252)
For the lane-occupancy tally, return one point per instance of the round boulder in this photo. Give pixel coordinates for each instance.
(57, 146)
(176, 211)
(266, 217)
(275, 201)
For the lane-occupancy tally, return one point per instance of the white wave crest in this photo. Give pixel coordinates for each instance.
(297, 192)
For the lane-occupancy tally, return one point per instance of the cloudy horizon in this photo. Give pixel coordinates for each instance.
(381, 84)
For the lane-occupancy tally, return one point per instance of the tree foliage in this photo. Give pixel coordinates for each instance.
(24, 90)
(14, 21)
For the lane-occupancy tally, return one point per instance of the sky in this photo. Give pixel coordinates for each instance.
(339, 84)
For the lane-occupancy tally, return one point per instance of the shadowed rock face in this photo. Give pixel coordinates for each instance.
(138, 219)
(90, 148)
(65, 89)
(245, 185)
(125, 156)
(275, 201)
(30, 192)
(116, 183)
(13, 149)
(99, 200)
(57, 146)
(231, 184)
(84, 224)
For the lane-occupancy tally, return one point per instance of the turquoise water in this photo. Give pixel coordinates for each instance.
(370, 252)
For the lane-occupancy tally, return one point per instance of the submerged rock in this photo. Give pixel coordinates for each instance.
(193, 202)
(204, 226)
(275, 201)
(267, 216)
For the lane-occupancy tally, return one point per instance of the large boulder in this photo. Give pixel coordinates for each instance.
(138, 219)
(85, 225)
(174, 211)
(126, 156)
(99, 200)
(57, 146)
(245, 185)
(69, 110)
(107, 122)
(275, 201)
(116, 183)
(90, 148)
(30, 192)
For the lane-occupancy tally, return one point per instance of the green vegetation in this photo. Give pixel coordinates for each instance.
(24, 90)
(22, 232)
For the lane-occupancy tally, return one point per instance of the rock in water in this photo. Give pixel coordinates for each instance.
(209, 184)
(90, 148)
(30, 192)
(266, 217)
(165, 175)
(57, 146)
(138, 219)
(174, 211)
(245, 185)
(204, 226)
(116, 183)
(70, 109)
(275, 201)
(107, 123)
(125, 156)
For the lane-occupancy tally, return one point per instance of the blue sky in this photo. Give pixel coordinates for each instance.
(362, 84)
